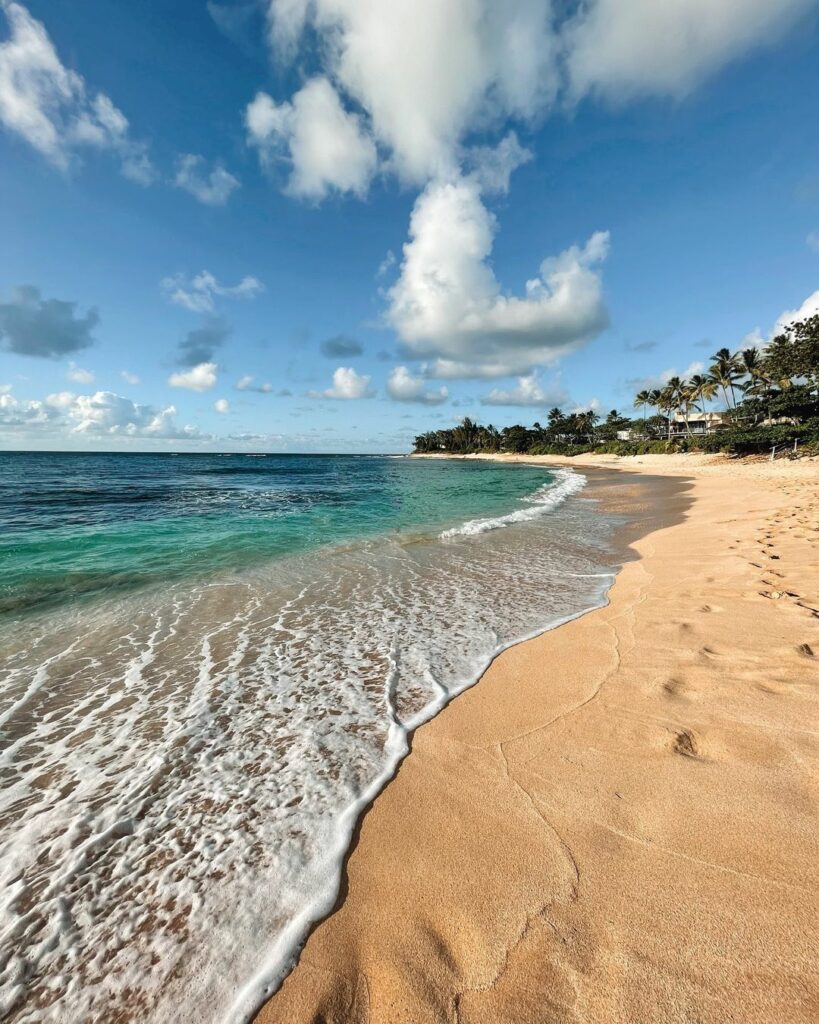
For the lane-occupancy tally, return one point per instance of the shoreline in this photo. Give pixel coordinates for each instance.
(412, 939)
(597, 487)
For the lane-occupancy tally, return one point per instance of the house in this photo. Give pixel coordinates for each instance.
(697, 423)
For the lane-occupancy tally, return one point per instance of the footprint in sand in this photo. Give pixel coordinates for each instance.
(685, 744)
(676, 687)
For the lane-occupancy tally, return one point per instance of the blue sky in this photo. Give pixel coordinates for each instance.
(327, 226)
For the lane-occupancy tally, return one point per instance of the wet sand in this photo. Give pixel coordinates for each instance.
(620, 821)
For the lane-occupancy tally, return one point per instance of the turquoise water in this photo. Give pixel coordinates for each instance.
(209, 667)
(73, 524)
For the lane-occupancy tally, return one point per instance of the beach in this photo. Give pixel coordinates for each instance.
(620, 821)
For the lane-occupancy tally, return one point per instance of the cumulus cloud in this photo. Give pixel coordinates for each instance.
(424, 71)
(213, 188)
(103, 414)
(48, 105)
(198, 294)
(247, 383)
(528, 392)
(198, 378)
(625, 48)
(341, 347)
(222, 406)
(406, 87)
(107, 413)
(427, 73)
(810, 307)
(49, 328)
(757, 338)
(325, 145)
(17, 413)
(812, 241)
(78, 375)
(403, 387)
(200, 344)
(447, 303)
(346, 384)
(130, 378)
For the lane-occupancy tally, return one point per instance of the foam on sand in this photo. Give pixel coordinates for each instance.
(185, 767)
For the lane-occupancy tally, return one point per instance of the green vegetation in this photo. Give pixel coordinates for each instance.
(770, 399)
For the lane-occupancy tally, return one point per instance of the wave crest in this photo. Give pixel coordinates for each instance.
(564, 483)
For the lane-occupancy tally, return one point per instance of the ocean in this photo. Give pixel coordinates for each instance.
(209, 666)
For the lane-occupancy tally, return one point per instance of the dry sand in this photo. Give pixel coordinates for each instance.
(620, 822)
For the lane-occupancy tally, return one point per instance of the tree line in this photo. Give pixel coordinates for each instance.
(766, 393)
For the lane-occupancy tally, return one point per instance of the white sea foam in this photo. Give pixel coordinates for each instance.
(565, 483)
(184, 770)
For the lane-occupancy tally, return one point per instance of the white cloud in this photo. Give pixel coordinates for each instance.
(212, 188)
(448, 305)
(812, 241)
(107, 413)
(48, 105)
(199, 292)
(592, 406)
(403, 387)
(626, 48)
(425, 71)
(528, 392)
(130, 378)
(386, 265)
(810, 307)
(18, 413)
(199, 378)
(659, 380)
(103, 414)
(346, 384)
(494, 165)
(246, 383)
(78, 375)
(326, 145)
(758, 339)
(222, 406)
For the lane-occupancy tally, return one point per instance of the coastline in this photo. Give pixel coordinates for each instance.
(616, 822)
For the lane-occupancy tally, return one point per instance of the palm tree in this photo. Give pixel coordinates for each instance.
(725, 372)
(676, 399)
(665, 403)
(585, 423)
(702, 389)
(750, 363)
(759, 381)
(642, 400)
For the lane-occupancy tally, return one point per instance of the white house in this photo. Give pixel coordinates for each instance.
(698, 423)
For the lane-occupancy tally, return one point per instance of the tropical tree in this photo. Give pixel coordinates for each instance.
(586, 422)
(665, 403)
(794, 355)
(676, 397)
(725, 372)
(642, 400)
(701, 389)
(759, 382)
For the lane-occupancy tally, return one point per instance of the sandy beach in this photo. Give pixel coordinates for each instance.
(620, 821)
